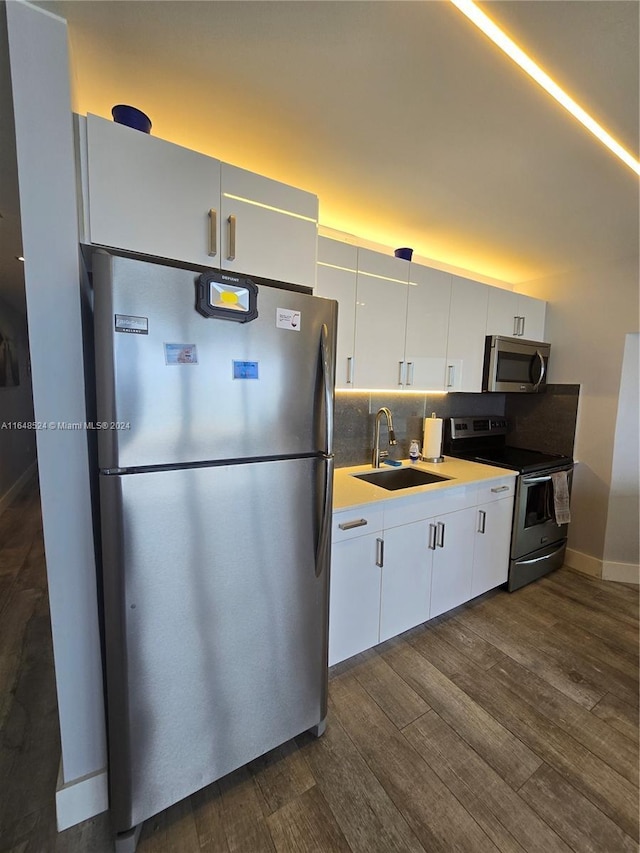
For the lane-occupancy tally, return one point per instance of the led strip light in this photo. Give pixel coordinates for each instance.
(499, 38)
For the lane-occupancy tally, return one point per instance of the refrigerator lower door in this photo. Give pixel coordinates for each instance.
(216, 623)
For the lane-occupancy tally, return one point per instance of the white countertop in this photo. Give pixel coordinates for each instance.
(349, 491)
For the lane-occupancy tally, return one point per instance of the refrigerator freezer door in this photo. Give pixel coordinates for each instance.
(216, 623)
(176, 387)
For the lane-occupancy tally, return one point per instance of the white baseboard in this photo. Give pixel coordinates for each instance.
(621, 572)
(81, 799)
(583, 563)
(12, 493)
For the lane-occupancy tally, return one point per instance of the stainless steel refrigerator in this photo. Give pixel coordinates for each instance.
(215, 412)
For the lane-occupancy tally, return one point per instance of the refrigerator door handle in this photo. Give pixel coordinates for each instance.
(324, 528)
(327, 378)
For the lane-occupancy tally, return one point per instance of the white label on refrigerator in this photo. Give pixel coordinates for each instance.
(287, 319)
(180, 354)
(131, 325)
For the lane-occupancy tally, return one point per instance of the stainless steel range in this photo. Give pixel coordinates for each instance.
(538, 541)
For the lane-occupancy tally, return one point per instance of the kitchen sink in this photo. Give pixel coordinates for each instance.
(401, 478)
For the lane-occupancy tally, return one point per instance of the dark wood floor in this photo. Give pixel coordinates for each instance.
(509, 724)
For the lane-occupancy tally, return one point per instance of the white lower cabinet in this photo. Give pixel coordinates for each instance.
(491, 545)
(452, 560)
(406, 578)
(388, 576)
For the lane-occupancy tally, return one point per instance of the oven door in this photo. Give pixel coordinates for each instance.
(534, 523)
(514, 365)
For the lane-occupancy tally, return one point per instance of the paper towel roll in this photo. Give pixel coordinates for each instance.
(432, 438)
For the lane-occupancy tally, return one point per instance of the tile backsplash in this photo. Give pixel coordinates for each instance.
(355, 414)
(544, 422)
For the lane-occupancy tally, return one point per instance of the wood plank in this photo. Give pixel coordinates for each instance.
(583, 826)
(607, 673)
(510, 822)
(602, 625)
(482, 653)
(613, 594)
(369, 820)
(92, 836)
(171, 831)
(613, 794)
(624, 609)
(243, 813)
(619, 715)
(306, 825)
(589, 730)
(394, 696)
(282, 775)
(505, 753)
(208, 812)
(436, 817)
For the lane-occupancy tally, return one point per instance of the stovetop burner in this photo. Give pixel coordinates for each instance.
(483, 439)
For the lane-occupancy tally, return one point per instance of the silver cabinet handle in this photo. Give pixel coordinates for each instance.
(231, 254)
(451, 375)
(516, 324)
(440, 539)
(213, 233)
(357, 522)
(350, 370)
(401, 373)
(482, 520)
(500, 489)
(380, 553)
(522, 320)
(432, 537)
(409, 373)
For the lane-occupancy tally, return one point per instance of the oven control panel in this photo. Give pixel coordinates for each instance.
(477, 427)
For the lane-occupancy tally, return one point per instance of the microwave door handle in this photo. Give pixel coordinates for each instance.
(543, 370)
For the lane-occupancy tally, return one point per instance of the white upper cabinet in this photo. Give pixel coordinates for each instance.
(381, 314)
(336, 279)
(429, 302)
(467, 325)
(152, 197)
(267, 228)
(515, 315)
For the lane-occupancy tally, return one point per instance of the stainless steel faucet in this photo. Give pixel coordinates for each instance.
(377, 453)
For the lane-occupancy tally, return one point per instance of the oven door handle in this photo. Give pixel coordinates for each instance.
(539, 559)
(531, 480)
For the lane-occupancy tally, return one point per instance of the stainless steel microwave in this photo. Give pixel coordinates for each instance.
(511, 364)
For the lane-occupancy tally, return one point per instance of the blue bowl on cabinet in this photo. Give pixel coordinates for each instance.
(132, 117)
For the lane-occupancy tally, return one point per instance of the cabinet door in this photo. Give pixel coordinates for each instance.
(533, 311)
(503, 313)
(492, 544)
(268, 229)
(406, 578)
(150, 196)
(381, 314)
(429, 301)
(452, 560)
(336, 279)
(467, 325)
(354, 606)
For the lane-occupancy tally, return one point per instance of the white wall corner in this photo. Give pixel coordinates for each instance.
(621, 572)
(81, 799)
(583, 563)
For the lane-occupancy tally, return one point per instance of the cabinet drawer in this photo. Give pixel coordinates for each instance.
(361, 521)
(496, 490)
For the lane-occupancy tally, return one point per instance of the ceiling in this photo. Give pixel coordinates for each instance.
(412, 128)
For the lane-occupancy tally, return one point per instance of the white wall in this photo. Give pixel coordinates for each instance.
(46, 176)
(622, 541)
(589, 315)
(17, 446)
